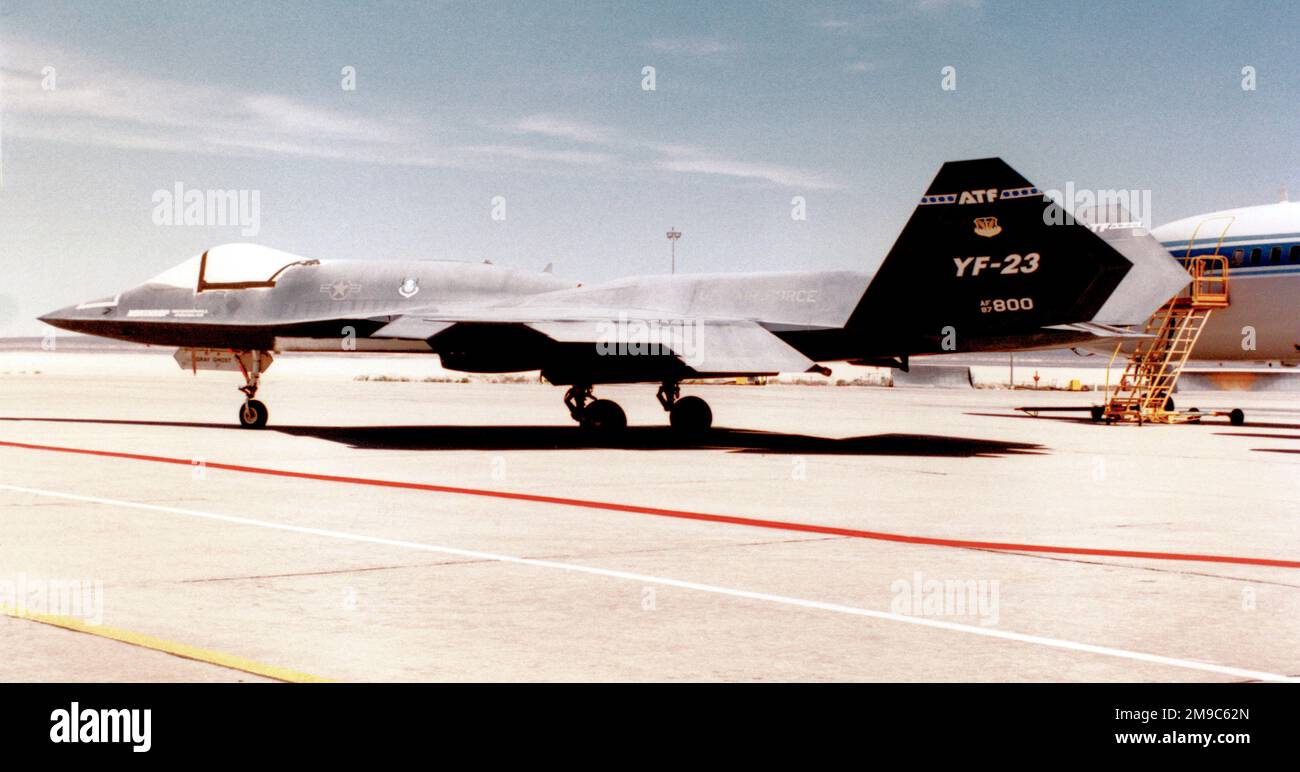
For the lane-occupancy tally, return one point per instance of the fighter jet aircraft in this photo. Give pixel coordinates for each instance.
(982, 265)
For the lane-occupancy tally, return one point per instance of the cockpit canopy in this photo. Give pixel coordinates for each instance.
(231, 266)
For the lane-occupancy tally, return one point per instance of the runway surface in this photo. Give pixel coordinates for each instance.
(433, 531)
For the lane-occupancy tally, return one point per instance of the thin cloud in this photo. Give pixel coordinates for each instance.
(944, 5)
(698, 162)
(135, 112)
(686, 159)
(534, 154)
(561, 127)
(692, 46)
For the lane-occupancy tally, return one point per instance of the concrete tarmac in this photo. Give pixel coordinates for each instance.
(392, 531)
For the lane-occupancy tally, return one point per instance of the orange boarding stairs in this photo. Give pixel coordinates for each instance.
(1143, 392)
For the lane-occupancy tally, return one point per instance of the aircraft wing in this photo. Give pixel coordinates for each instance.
(719, 346)
(704, 345)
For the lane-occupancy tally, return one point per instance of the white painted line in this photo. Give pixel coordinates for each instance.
(784, 600)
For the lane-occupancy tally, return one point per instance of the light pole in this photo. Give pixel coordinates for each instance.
(673, 235)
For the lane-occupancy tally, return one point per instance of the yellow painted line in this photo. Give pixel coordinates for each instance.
(182, 650)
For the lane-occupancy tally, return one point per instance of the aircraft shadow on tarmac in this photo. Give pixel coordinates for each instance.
(1263, 436)
(1209, 421)
(633, 438)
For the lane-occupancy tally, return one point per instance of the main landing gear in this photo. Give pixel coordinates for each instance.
(603, 415)
(253, 414)
(688, 415)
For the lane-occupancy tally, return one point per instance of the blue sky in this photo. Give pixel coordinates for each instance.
(542, 103)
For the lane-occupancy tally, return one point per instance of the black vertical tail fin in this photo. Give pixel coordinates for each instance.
(986, 260)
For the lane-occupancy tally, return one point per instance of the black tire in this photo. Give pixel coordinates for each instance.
(691, 414)
(604, 415)
(252, 415)
(1097, 412)
(1169, 404)
(1236, 417)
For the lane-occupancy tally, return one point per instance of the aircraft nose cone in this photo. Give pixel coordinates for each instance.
(59, 317)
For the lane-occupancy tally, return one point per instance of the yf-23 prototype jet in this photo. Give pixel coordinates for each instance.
(978, 267)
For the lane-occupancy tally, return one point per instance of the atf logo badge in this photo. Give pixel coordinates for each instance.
(340, 290)
(987, 227)
(409, 287)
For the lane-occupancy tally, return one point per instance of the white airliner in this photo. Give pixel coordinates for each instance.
(1262, 246)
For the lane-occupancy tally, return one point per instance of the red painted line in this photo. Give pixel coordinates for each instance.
(681, 514)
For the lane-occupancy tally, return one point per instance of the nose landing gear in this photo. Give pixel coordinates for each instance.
(253, 413)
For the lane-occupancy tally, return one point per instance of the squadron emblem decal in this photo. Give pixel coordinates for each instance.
(409, 288)
(987, 227)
